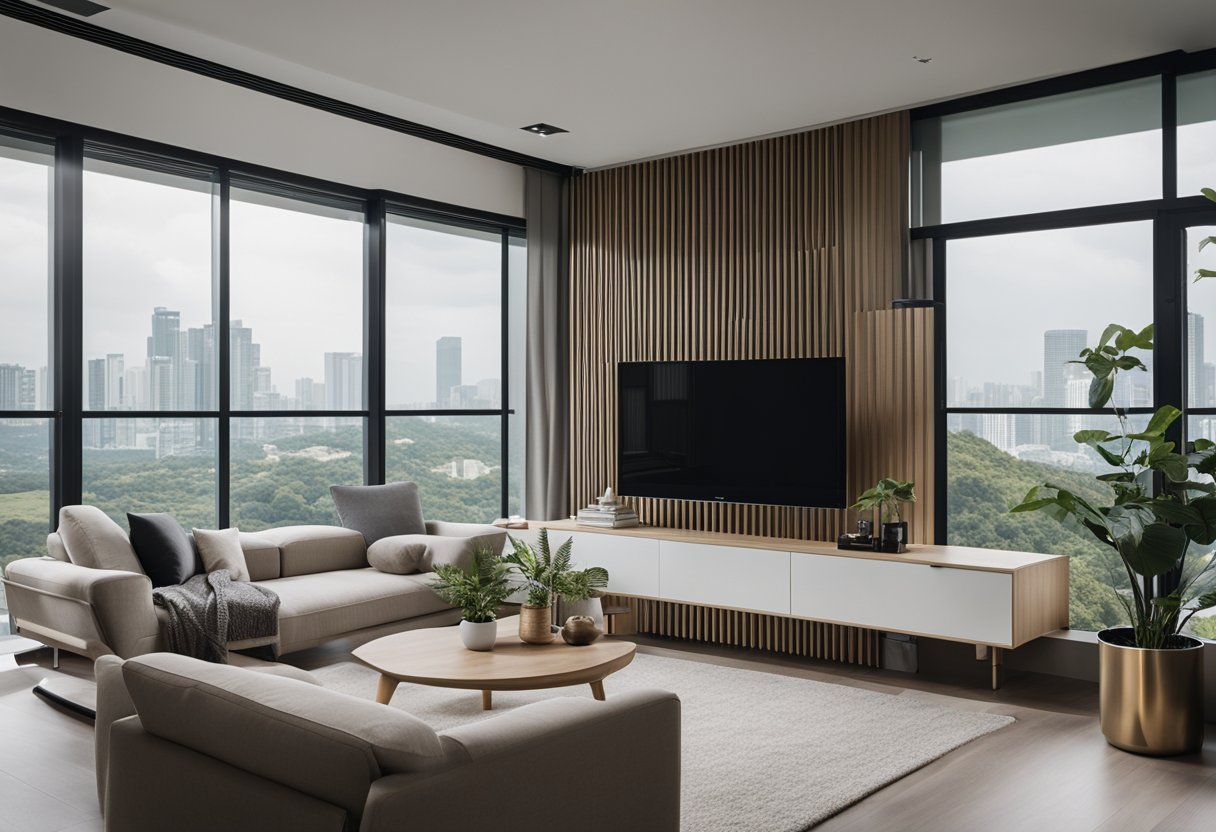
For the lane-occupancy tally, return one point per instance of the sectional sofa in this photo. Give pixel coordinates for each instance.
(90, 595)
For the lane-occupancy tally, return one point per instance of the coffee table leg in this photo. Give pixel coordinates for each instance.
(597, 690)
(386, 689)
(487, 700)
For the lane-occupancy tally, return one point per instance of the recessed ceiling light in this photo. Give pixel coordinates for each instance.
(921, 60)
(542, 129)
(84, 8)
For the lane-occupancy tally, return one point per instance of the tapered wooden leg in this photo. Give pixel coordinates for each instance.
(998, 667)
(487, 700)
(597, 690)
(386, 689)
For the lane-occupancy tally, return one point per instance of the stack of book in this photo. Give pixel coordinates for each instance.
(607, 516)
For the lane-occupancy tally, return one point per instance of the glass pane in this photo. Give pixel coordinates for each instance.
(443, 327)
(1196, 132)
(1021, 306)
(1203, 623)
(1201, 309)
(1091, 147)
(986, 479)
(297, 305)
(148, 291)
(456, 461)
(282, 469)
(517, 358)
(148, 465)
(25, 491)
(26, 171)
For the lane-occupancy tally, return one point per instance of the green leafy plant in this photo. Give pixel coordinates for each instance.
(1200, 274)
(548, 575)
(479, 591)
(886, 497)
(1161, 519)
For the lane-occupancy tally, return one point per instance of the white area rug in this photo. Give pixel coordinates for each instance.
(762, 752)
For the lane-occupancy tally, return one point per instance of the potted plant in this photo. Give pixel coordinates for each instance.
(547, 577)
(1159, 527)
(580, 593)
(478, 592)
(540, 570)
(886, 496)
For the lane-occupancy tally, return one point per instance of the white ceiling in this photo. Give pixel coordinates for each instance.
(632, 79)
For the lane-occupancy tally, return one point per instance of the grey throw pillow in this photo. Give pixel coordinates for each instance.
(458, 551)
(379, 511)
(400, 554)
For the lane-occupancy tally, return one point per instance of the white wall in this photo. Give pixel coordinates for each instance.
(62, 77)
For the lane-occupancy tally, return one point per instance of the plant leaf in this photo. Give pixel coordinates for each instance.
(1156, 550)
(1100, 390)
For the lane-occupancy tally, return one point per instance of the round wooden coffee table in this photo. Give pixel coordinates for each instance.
(436, 657)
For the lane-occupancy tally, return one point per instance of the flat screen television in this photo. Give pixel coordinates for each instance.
(767, 431)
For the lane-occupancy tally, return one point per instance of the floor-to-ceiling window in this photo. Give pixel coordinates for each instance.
(1045, 219)
(181, 333)
(26, 386)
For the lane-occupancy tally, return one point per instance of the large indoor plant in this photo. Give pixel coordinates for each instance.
(547, 576)
(478, 592)
(1159, 526)
(886, 497)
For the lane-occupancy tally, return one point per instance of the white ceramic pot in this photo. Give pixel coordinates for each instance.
(478, 636)
(593, 608)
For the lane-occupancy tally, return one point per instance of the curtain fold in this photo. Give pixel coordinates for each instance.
(547, 455)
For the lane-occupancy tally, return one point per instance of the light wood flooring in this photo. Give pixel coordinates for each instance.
(1049, 771)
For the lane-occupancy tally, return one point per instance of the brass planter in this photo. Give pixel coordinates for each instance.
(536, 624)
(1151, 701)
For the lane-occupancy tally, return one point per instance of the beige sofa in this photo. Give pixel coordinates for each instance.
(188, 746)
(327, 590)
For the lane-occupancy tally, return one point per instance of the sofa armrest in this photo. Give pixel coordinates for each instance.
(611, 765)
(442, 528)
(92, 612)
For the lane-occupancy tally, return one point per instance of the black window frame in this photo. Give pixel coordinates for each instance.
(1170, 216)
(68, 413)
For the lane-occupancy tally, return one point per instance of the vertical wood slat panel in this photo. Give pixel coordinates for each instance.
(787, 247)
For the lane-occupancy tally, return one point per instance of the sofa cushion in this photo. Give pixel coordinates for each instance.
(304, 550)
(458, 551)
(164, 549)
(94, 540)
(55, 547)
(400, 554)
(221, 549)
(317, 741)
(261, 556)
(316, 608)
(379, 510)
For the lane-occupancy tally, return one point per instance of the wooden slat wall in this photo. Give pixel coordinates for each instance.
(781, 248)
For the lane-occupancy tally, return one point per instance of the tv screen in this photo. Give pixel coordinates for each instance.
(768, 431)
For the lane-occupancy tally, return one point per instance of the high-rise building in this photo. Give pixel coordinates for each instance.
(114, 399)
(1197, 394)
(10, 385)
(489, 393)
(343, 381)
(1060, 346)
(242, 357)
(447, 369)
(96, 396)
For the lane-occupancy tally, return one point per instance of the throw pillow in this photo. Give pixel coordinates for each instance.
(163, 548)
(94, 540)
(400, 554)
(379, 511)
(222, 550)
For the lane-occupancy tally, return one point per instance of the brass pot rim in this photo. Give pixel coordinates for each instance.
(1195, 644)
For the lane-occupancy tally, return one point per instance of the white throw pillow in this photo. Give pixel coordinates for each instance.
(222, 550)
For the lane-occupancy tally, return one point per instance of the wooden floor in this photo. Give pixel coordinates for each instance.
(1049, 771)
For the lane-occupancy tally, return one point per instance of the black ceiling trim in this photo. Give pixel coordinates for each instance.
(1167, 63)
(48, 19)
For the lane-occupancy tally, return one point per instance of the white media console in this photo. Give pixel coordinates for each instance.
(986, 597)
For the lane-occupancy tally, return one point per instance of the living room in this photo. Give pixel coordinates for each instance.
(682, 416)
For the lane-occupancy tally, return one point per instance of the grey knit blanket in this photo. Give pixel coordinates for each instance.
(209, 611)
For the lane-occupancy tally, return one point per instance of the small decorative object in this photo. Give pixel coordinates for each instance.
(580, 630)
(548, 577)
(607, 513)
(863, 539)
(478, 593)
(886, 497)
(609, 499)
